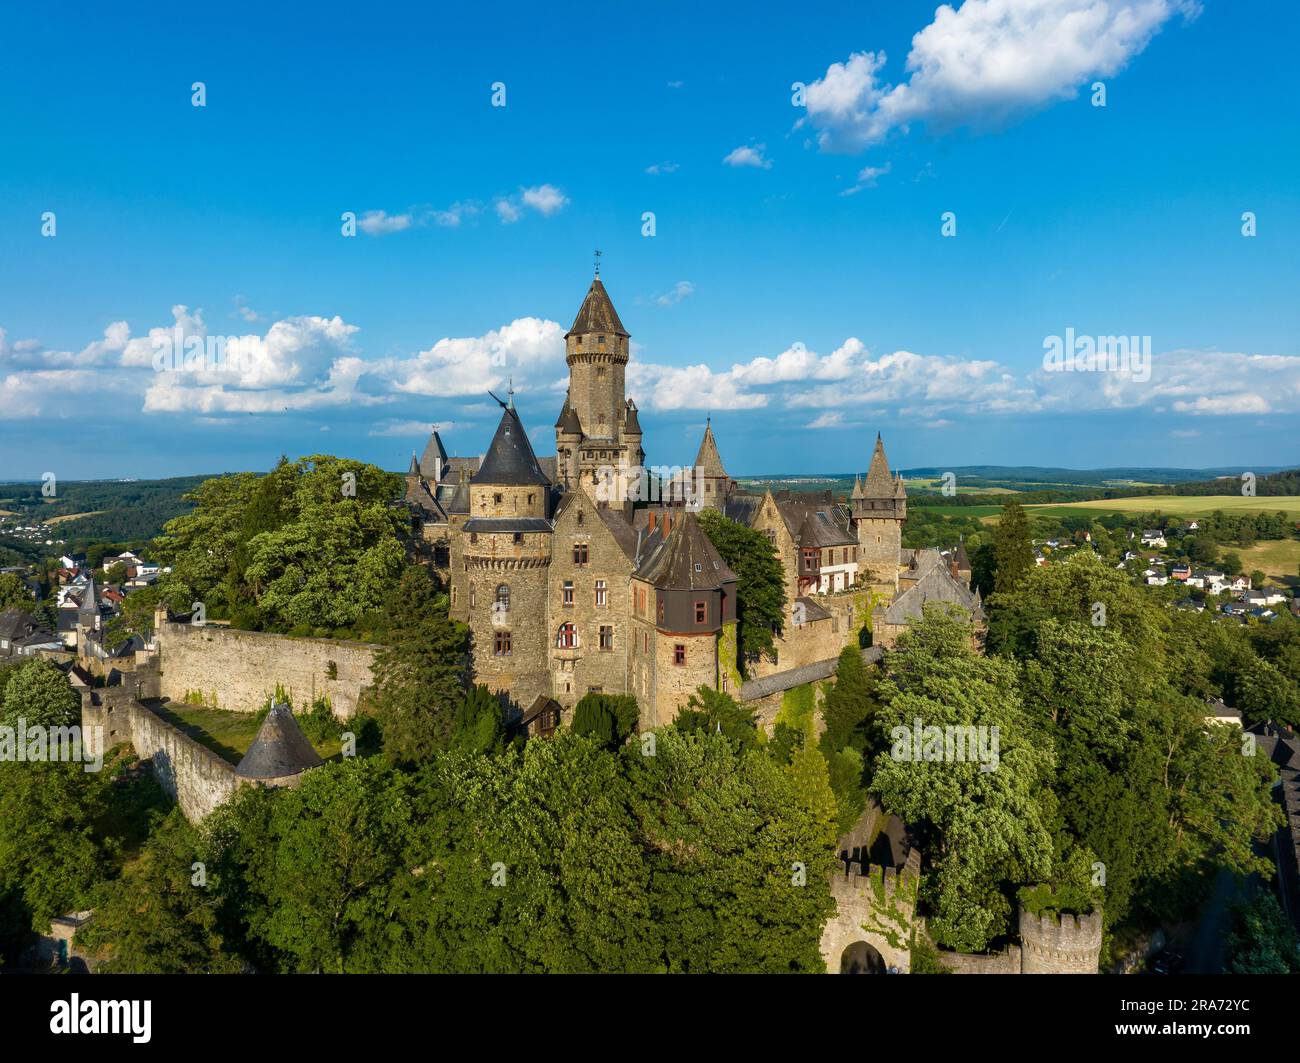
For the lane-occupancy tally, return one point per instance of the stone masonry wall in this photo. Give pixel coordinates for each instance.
(239, 670)
(191, 774)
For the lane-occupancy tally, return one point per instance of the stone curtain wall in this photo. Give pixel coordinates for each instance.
(239, 670)
(195, 777)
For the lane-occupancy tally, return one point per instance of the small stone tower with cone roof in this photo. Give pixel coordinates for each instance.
(597, 430)
(500, 589)
(280, 753)
(710, 479)
(879, 508)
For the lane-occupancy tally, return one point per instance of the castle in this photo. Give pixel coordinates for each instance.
(587, 572)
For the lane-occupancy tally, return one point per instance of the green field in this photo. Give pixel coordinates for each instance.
(1279, 559)
(958, 511)
(933, 484)
(1176, 505)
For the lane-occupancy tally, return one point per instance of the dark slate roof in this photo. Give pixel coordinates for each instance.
(673, 566)
(459, 502)
(467, 465)
(935, 585)
(624, 534)
(741, 507)
(826, 523)
(812, 611)
(434, 452)
(279, 749)
(597, 313)
(510, 459)
(17, 624)
(568, 419)
(488, 525)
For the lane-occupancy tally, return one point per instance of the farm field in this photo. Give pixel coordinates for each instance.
(937, 484)
(1177, 505)
(1279, 559)
(984, 512)
(73, 516)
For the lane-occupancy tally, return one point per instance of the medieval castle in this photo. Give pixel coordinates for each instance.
(587, 572)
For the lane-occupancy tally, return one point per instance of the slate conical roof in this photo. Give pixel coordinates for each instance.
(568, 419)
(708, 461)
(280, 748)
(597, 313)
(879, 483)
(414, 470)
(857, 486)
(510, 459)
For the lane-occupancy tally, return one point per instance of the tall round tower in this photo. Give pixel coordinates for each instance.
(507, 556)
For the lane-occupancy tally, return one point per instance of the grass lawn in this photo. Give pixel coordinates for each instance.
(1279, 559)
(227, 733)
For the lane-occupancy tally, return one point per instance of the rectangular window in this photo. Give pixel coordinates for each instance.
(568, 592)
(502, 644)
(579, 553)
(606, 638)
(679, 653)
(645, 642)
(602, 595)
(472, 596)
(519, 537)
(701, 612)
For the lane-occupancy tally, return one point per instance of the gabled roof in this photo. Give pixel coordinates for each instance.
(597, 313)
(279, 749)
(879, 482)
(510, 459)
(936, 585)
(687, 561)
(18, 623)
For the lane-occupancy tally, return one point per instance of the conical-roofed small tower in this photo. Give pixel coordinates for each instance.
(501, 588)
(280, 753)
(879, 509)
(709, 478)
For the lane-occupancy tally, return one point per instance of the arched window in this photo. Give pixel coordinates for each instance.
(503, 595)
(567, 637)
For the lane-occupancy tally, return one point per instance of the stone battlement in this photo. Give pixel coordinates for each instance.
(1068, 944)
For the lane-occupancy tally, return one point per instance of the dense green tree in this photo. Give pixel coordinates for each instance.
(420, 674)
(14, 593)
(715, 712)
(1260, 939)
(760, 591)
(38, 692)
(1264, 693)
(479, 726)
(160, 916)
(608, 718)
(1013, 549)
(982, 820)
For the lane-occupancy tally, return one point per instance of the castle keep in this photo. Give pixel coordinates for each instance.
(572, 577)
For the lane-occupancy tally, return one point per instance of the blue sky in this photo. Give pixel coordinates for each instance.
(797, 285)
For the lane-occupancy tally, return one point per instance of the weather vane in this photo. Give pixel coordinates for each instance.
(598, 263)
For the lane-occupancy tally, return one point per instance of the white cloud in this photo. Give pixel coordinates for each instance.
(984, 63)
(546, 200)
(452, 216)
(867, 178)
(662, 168)
(418, 429)
(381, 223)
(748, 156)
(679, 291)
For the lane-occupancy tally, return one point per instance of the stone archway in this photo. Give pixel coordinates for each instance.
(861, 957)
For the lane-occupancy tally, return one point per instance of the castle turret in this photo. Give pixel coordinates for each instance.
(506, 558)
(606, 453)
(1068, 944)
(710, 479)
(879, 509)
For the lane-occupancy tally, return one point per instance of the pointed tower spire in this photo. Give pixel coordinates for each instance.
(880, 484)
(857, 486)
(708, 461)
(510, 459)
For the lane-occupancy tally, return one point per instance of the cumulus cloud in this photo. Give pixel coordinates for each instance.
(545, 200)
(679, 291)
(381, 223)
(983, 64)
(749, 155)
(867, 178)
(662, 167)
(418, 429)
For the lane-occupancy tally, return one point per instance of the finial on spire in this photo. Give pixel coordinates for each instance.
(510, 392)
(598, 254)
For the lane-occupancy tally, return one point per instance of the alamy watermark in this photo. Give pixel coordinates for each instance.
(39, 744)
(660, 483)
(952, 744)
(1098, 354)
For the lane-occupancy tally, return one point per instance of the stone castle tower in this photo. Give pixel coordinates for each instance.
(878, 509)
(597, 427)
(709, 476)
(506, 553)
